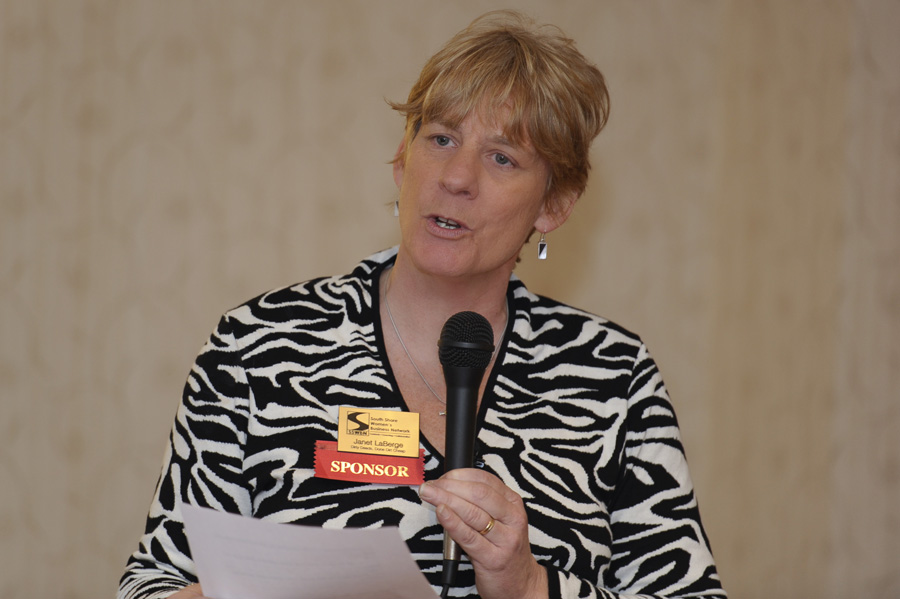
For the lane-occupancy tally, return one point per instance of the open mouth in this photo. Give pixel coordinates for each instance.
(446, 223)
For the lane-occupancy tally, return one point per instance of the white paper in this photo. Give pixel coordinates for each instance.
(247, 558)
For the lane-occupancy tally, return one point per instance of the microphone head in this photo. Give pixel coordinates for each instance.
(467, 341)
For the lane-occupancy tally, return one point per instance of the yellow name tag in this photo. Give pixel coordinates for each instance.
(380, 432)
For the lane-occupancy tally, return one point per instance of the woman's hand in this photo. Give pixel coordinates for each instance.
(467, 500)
(189, 592)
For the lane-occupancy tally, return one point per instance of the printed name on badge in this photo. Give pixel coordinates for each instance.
(378, 432)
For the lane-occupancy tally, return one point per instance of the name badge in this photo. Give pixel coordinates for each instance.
(378, 432)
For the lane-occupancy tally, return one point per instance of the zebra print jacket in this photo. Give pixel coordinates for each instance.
(575, 418)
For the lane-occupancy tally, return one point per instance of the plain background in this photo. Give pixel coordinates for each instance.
(163, 161)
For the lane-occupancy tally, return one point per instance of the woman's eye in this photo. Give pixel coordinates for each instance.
(442, 140)
(501, 159)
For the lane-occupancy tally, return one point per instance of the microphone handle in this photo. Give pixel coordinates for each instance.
(459, 442)
(462, 403)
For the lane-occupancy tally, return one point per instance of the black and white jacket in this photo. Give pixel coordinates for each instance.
(575, 418)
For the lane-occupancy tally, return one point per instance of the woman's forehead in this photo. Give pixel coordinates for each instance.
(502, 119)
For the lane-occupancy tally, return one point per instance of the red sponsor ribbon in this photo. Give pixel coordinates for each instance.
(368, 468)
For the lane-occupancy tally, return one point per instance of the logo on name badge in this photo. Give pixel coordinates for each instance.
(378, 432)
(357, 423)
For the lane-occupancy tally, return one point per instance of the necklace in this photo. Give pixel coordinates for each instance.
(387, 304)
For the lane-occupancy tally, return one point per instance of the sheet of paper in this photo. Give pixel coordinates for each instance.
(246, 558)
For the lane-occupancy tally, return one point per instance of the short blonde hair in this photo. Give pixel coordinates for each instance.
(556, 99)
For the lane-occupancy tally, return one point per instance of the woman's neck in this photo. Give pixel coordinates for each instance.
(429, 301)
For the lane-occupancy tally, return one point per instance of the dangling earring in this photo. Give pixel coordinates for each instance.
(396, 207)
(542, 248)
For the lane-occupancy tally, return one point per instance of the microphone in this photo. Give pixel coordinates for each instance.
(466, 347)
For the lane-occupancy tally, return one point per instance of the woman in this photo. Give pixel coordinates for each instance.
(581, 489)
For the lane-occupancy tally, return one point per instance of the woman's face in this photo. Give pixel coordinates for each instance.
(469, 199)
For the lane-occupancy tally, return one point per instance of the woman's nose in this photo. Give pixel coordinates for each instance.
(460, 173)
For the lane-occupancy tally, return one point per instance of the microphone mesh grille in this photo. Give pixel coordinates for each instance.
(466, 328)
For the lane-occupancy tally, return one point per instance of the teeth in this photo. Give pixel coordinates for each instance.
(446, 223)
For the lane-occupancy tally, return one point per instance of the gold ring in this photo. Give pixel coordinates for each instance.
(488, 528)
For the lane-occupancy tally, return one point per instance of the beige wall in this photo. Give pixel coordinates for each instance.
(162, 161)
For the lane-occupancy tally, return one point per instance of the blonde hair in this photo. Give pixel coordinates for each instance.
(548, 93)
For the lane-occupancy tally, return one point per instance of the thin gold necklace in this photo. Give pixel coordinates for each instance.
(387, 304)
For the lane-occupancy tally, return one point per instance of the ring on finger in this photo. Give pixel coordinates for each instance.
(489, 527)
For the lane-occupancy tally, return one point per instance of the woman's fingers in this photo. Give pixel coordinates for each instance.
(470, 502)
(474, 501)
(189, 592)
(488, 520)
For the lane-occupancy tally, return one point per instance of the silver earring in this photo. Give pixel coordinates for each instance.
(542, 248)
(396, 208)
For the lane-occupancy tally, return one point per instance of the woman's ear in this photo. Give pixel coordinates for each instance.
(399, 163)
(556, 211)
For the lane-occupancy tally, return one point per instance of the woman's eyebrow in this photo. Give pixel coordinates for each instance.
(503, 140)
